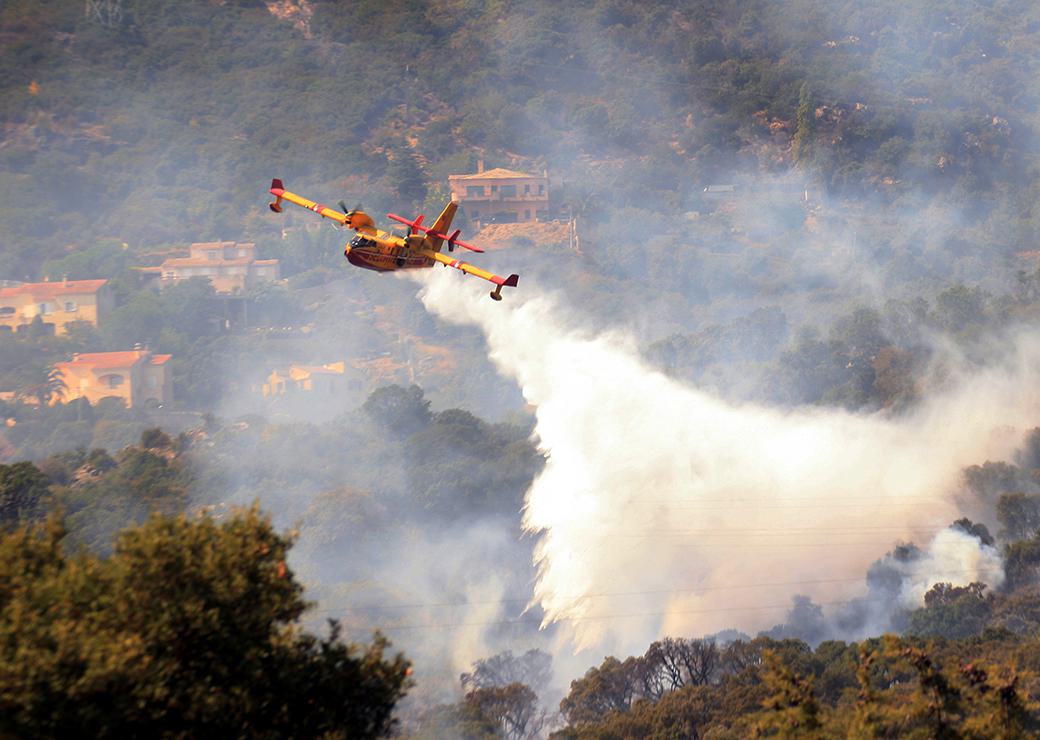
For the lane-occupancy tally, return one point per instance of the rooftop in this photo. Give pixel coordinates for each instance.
(498, 173)
(221, 245)
(202, 262)
(109, 360)
(50, 290)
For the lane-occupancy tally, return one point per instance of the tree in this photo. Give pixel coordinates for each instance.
(992, 479)
(937, 701)
(953, 612)
(792, 708)
(461, 721)
(155, 439)
(191, 627)
(533, 668)
(514, 708)
(684, 662)
(401, 411)
(805, 119)
(977, 530)
(24, 494)
(43, 385)
(610, 687)
(1021, 560)
(1019, 515)
(406, 176)
(140, 483)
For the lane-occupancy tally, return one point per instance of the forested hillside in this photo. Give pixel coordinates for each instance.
(164, 123)
(796, 325)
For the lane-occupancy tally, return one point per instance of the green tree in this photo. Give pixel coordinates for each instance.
(190, 628)
(533, 669)
(612, 686)
(401, 411)
(805, 119)
(406, 176)
(951, 611)
(937, 701)
(792, 708)
(43, 384)
(1021, 560)
(514, 708)
(24, 494)
(1019, 515)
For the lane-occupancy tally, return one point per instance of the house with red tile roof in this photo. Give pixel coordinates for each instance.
(231, 267)
(57, 303)
(501, 196)
(135, 376)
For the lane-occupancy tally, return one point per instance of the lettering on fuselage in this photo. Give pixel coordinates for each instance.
(385, 262)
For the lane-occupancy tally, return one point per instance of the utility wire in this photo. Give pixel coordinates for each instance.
(600, 617)
(608, 594)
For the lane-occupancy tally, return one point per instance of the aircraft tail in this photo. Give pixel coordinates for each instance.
(441, 226)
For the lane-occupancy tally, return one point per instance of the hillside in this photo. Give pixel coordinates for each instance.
(164, 123)
(764, 396)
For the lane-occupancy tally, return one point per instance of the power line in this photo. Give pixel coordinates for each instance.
(632, 615)
(784, 531)
(610, 594)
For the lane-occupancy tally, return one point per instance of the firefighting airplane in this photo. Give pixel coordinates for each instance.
(374, 249)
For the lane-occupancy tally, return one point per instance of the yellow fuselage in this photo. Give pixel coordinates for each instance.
(384, 253)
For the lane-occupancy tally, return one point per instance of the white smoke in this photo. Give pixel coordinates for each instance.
(952, 554)
(662, 509)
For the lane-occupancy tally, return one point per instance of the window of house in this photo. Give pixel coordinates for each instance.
(46, 308)
(112, 381)
(541, 190)
(476, 215)
(474, 191)
(494, 188)
(527, 215)
(70, 306)
(153, 382)
(508, 191)
(8, 310)
(527, 189)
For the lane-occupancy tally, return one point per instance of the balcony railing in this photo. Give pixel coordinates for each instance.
(498, 197)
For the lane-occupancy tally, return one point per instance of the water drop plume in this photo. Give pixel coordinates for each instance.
(664, 510)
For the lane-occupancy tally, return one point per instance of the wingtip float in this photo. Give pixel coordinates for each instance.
(375, 249)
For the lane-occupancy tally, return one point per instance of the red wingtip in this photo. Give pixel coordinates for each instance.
(276, 184)
(511, 281)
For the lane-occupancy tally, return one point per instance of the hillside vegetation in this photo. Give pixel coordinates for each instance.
(165, 123)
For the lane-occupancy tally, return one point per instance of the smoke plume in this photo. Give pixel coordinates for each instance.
(663, 509)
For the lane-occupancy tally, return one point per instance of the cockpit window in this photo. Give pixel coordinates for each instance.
(361, 241)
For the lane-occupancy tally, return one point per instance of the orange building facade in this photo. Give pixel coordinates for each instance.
(501, 196)
(58, 304)
(135, 377)
(320, 380)
(231, 267)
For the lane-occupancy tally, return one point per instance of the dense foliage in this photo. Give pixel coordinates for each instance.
(877, 688)
(189, 627)
(882, 144)
(930, 102)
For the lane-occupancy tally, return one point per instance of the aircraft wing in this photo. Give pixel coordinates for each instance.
(356, 220)
(472, 270)
(279, 191)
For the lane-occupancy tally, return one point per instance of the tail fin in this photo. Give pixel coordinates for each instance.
(441, 225)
